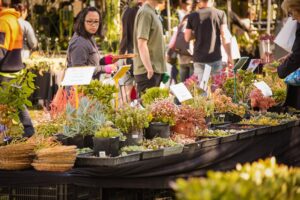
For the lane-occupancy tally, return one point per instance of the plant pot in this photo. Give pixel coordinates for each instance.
(109, 145)
(187, 129)
(157, 129)
(77, 140)
(88, 141)
(134, 138)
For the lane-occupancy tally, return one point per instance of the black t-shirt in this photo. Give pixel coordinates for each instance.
(206, 24)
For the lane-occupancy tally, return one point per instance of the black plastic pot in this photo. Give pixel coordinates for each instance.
(157, 129)
(109, 145)
(134, 138)
(77, 140)
(88, 141)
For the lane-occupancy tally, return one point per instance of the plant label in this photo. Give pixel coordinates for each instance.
(287, 35)
(205, 78)
(102, 154)
(181, 92)
(253, 65)
(135, 136)
(240, 63)
(121, 72)
(264, 88)
(78, 76)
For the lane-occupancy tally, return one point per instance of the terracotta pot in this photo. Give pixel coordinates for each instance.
(183, 128)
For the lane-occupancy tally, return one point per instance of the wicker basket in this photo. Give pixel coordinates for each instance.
(22, 148)
(57, 160)
(56, 151)
(52, 167)
(5, 165)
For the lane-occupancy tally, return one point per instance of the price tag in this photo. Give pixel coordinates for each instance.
(181, 92)
(102, 154)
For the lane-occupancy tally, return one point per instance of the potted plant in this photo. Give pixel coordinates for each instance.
(163, 116)
(259, 101)
(83, 122)
(131, 121)
(187, 119)
(153, 94)
(106, 139)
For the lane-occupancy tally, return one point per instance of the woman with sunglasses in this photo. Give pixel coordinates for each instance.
(292, 62)
(83, 50)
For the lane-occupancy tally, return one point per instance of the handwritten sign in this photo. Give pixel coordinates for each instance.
(78, 76)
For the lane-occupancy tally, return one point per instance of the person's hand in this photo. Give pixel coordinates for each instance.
(114, 67)
(114, 59)
(230, 63)
(150, 73)
(282, 59)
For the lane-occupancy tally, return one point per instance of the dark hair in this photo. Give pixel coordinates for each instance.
(79, 24)
(6, 3)
(20, 7)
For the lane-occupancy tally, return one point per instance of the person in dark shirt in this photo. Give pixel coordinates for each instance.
(292, 62)
(126, 46)
(208, 25)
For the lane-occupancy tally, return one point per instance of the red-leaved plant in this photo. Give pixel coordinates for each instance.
(164, 111)
(187, 114)
(259, 101)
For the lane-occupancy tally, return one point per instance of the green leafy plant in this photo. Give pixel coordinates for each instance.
(104, 93)
(244, 85)
(132, 119)
(133, 148)
(50, 128)
(164, 111)
(85, 120)
(262, 180)
(153, 94)
(159, 143)
(14, 95)
(202, 102)
(107, 132)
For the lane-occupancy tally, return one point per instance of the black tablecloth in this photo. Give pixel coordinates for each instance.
(156, 173)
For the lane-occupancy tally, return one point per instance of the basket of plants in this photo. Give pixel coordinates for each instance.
(56, 159)
(278, 122)
(16, 156)
(168, 147)
(89, 159)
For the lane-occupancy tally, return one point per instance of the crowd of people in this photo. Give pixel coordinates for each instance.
(202, 27)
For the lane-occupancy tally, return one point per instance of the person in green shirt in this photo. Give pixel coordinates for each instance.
(149, 46)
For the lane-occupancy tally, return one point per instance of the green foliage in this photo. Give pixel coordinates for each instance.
(245, 81)
(51, 127)
(261, 180)
(133, 148)
(107, 132)
(202, 102)
(104, 93)
(159, 143)
(14, 95)
(132, 119)
(111, 23)
(279, 94)
(85, 120)
(153, 94)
